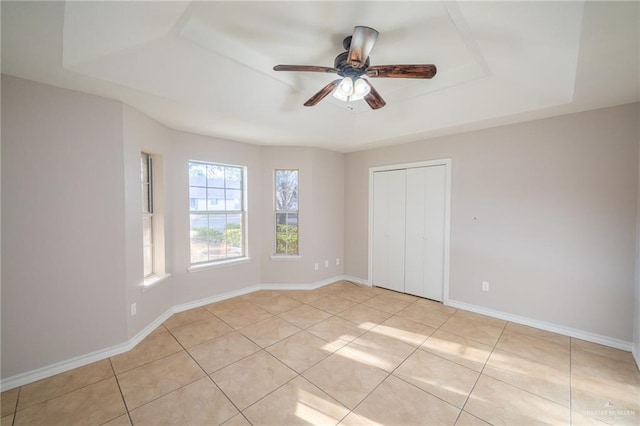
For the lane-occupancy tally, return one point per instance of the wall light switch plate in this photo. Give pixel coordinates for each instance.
(485, 286)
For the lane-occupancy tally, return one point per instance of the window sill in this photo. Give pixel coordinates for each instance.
(153, 280)
(285, 257)
(221, 264)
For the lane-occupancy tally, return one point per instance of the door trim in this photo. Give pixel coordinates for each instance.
(447, 214)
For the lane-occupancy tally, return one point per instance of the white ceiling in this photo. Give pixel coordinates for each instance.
(206, 67)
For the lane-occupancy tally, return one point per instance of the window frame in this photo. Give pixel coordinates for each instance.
(146, 183)
(277, 211)
(242, 212)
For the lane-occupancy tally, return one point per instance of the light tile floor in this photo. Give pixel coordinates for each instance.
(342, 354)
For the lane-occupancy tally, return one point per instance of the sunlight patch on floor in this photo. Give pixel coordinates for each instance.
(364, 357)
(316, 410)
(402, 335)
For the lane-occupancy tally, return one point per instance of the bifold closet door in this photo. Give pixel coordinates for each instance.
(425, 224)
(389, 207)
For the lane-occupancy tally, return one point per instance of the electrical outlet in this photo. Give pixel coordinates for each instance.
(316, 266)
(485, 286)
(326, 263)
(134, 309)
(337, 261)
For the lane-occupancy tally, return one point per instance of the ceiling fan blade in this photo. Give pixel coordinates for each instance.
(362, 42)
(402, 71)
(374, 99)
(322, 93)
(312, 68)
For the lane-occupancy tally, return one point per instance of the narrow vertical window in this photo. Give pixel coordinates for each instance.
(217, 212)
(147, 213)
(286, 212)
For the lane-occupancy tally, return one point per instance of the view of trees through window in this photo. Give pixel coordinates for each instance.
(286, 211)
(217, 213)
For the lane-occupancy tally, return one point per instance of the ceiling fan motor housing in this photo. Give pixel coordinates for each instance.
(346, 43)
(347, 70)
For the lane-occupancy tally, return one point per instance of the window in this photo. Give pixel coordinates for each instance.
(153, 219)
(217, 212)
(286, 212)
(147, 213)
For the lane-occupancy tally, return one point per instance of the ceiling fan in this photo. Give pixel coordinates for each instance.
(353, 65)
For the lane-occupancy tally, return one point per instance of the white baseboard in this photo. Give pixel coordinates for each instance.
(213, 299)
(82, 360)
(566, 331)
(636, 355)
(61, 367)
(311, 286)
(356, 280)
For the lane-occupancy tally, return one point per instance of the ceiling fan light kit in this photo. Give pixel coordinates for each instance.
(349, 90)
(352, 65)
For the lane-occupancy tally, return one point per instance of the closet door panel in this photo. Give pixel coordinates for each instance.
(380, 261)
(415, 231)
(389, 199)
(424, 257)
(434, 227)
(397, 209)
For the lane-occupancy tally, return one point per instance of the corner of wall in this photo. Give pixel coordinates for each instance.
(636, 323)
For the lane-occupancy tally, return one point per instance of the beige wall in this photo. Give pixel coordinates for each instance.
(321, 193)
(72, 261)
(545, 211)
(142, 134)
(327, 217)
(63, 232)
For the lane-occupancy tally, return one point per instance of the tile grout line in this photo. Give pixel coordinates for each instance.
(419, 347)
(260, 348)
(186, 384)
(308, 368)
(208, 376)
(493, 348)
(272, 391)
(389, 374)
(518, 387)
(228, 399)
(148, 362)
(515, 386)
(361, 303)
(263, 349)
(332, 353)
(15, 409)
(64, 393)
(126, 407)
(230, 326)
(570, 381)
